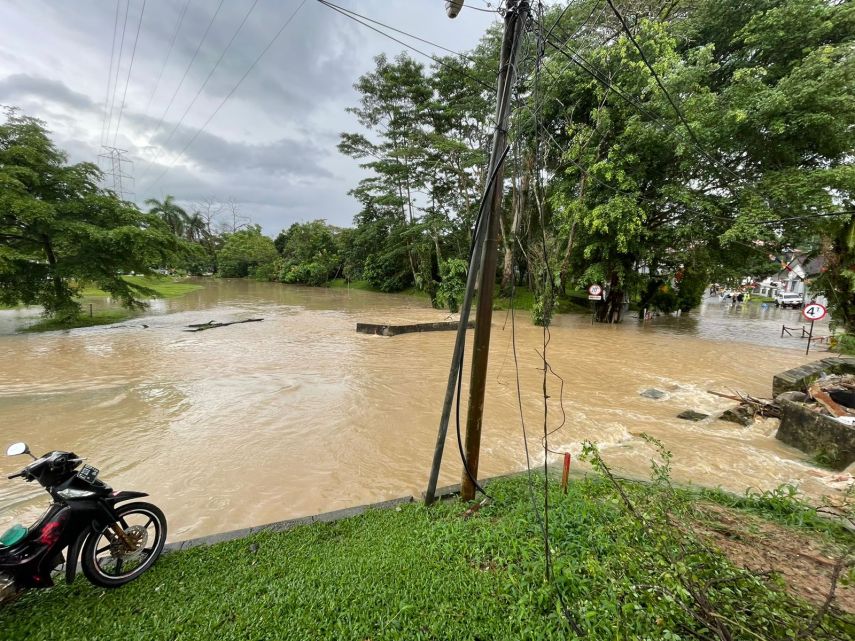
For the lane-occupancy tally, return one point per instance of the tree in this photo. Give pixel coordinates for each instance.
(173, 215)
(59, 230)
(247, 252)
(310, 253)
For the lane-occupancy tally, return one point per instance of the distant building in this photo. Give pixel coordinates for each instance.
(795, 278)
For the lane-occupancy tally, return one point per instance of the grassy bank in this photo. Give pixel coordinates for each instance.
(101, 317)
(363, 285)
(576, 301)
(417, 573)
(164, 287)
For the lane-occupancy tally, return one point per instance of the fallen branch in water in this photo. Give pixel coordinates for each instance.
(757, 406)
(201, 327)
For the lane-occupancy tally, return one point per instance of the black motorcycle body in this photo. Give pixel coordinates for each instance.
(84, 511)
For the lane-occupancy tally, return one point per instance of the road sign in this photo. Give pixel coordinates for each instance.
(595, 290)
(814, 312)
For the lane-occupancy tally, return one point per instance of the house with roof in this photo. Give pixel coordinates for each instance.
(797, 273)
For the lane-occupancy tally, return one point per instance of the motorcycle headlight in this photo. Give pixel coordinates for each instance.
(75, 494)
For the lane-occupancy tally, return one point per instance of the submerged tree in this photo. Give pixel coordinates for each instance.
(59, 230)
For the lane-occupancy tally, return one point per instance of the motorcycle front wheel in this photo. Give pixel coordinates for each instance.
(110, 560)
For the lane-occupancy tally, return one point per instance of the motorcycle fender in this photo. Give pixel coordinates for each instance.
(118, 497)
(72, 555)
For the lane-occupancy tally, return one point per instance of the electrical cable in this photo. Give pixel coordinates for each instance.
(168, 54)
(204, 84)
(233, 89)
(128, 78)
(488, 191)
(118, 66)
(183, 78)
(110, 74)
(437, 60)
(405, 33)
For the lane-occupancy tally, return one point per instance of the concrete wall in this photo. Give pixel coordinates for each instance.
(826, 440)
(800, 378)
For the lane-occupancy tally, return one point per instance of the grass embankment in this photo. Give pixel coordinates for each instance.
(341, 283)
(419, 573)
(576, 301)
(164, 287)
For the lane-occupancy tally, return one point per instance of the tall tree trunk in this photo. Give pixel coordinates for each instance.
(563, 272)
(520, 201)
(610, 310)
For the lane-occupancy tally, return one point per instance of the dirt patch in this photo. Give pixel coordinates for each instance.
(805, 564)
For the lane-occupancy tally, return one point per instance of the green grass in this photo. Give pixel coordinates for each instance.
(341, 283)
(164, 286)
(100, 317)
(572, 302)
(419, 573)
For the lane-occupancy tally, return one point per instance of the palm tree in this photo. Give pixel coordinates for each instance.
(173, 215)
(195, 228)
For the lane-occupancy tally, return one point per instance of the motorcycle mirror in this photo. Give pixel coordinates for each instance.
(17, 448)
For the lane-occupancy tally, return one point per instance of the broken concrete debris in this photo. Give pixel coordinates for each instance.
(692, 415)
(653, 393)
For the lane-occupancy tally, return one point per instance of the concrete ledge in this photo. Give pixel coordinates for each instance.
(800, 378)
(288, 524)
(395, 330)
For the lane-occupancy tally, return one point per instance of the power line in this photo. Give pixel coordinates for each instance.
(118, 66)
(110, 73)
(231, 92)
(439, 61)
(204, 84)
(168, 54)
(130, 68)
(184, 75)
(405, 33)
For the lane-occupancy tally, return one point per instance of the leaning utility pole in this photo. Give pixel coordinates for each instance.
(483, 262)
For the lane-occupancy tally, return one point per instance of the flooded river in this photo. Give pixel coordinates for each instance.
(299, 414)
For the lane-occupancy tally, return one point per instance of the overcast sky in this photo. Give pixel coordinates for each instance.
(272, 145)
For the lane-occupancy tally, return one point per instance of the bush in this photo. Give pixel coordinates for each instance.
(451, 289)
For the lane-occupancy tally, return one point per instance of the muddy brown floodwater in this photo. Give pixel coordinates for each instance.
(298, 414)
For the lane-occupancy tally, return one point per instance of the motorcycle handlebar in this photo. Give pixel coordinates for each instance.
(14, 476)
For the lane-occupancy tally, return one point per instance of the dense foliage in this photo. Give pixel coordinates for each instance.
(610, 182)
(60, 231)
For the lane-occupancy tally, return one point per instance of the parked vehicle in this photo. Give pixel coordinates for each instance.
(789, 299)
(114, 543)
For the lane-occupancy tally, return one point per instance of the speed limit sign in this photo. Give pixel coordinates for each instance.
(814, 312)
(595, 290)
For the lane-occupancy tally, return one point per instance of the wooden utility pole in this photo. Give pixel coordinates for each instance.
(482, 261)
(515, 18)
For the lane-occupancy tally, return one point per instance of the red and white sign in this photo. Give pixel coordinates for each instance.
(814, 312)
(595, 290)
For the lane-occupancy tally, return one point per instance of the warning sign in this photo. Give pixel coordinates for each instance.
(814, 312)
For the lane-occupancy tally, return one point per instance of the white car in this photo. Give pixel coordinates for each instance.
(789, 299)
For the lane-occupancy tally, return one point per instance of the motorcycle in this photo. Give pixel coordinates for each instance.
(114, 543)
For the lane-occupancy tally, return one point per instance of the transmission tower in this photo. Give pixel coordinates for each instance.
(118, 172)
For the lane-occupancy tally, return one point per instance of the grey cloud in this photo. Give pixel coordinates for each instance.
(281, 157)
(21, 85)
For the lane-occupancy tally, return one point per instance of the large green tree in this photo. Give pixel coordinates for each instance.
(60, 230)
(247, 252)
(762, 130)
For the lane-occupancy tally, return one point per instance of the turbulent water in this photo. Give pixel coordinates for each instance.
(299, 414)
